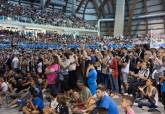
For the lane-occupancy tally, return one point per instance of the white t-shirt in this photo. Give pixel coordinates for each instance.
(39, 68)
(54, 104)
(72, 66)
(4, 87)
(144, 73)
(126, 69)
(15, 62)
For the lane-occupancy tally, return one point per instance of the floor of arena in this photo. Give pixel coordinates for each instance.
(4, 110)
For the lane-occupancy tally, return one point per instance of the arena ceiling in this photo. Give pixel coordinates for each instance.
(99, 8)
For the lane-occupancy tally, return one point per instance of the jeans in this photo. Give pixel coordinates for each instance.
(114, 84)
(144, 102)
(163, 99)
(65, 85)
(105, 80)
(99, 75)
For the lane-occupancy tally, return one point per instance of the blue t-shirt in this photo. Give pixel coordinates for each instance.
(163, 83)
(163, 86)
(39, 103)
(92, 75)
(108, 103)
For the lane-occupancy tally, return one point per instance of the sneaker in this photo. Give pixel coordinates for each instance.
(135, 104)
(115, 96)
(125, 93)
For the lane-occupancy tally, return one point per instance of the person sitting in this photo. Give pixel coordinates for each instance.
(127, 103)
(106, 102)
(53, 104)
(101, 111)
(78, 105)
(84, 91)
(149, 96)
(3, 89)
(138, 79)
(62, 107)
(34, 106)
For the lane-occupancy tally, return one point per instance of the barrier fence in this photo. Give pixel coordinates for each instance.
(28, 45)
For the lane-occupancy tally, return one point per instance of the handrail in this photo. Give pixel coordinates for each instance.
(24, 24)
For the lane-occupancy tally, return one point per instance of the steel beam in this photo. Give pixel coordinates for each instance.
(145, 12)
(79, 6)
(85, 9)
(66, 3)
(73, 7)
(109, 8)
(131, 12)
(97, 8)
(113, 5)
(127, 5)
(163, 1)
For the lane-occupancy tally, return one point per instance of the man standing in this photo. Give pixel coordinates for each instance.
(125, 69)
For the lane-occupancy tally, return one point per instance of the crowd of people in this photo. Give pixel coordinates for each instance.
(81, 80)
(76, 79)
(34, 14)
(55, 40)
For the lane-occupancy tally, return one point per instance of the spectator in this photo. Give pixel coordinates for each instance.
(150, 95)
(106, 102)
(34, 106)
(3, 90)
(127, 103)
(84, 91)
(91, 77)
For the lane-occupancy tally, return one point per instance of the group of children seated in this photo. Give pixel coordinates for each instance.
(33, 101)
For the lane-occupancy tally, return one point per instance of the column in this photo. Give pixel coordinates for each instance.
(74, 7)
(42, 3)
(119, 18)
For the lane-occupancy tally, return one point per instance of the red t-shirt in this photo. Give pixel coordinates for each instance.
(114, 67)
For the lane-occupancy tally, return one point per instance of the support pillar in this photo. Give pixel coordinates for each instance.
(73, 7)
(42, 3)
(119, 18)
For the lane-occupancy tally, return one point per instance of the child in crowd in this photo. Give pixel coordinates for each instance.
(78, 105)
(62, 107)
(127, 103)
(34, 106)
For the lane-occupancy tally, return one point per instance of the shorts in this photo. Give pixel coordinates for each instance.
(124, 77)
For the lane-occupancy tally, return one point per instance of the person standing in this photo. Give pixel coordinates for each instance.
(15, 63)
(114, 77)
(91, 75)
(125, 69)
(52, 68)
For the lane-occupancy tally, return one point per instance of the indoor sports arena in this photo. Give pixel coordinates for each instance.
(82, 56)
